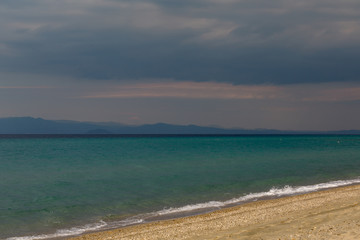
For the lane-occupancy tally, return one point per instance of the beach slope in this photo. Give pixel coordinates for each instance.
(328, 214)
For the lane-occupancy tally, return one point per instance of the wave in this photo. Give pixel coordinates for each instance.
(272, 193)
(211, 205)
(80, 230)
(65, 232)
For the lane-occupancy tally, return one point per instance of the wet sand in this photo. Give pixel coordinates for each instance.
(328, 214)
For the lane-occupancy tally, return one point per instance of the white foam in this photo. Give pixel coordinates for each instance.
(126, 222)
(273, 192)
(65, 232)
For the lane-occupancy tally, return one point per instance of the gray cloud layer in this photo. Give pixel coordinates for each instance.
(241, 42)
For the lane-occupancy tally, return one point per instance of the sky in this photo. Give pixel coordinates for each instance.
(289, 65)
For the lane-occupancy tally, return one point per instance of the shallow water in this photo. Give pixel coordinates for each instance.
(66, 185)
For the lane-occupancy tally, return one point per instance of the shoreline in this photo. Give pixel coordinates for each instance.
(330, 214)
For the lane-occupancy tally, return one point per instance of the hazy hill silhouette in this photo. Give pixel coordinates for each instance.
(30, 125)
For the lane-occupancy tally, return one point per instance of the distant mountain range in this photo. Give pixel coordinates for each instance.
(29, 125)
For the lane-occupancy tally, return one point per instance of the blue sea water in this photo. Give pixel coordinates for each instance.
(58, 186)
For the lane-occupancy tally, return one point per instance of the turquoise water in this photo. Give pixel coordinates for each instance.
(49, 185)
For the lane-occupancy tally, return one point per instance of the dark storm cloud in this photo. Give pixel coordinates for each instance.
(241, 42)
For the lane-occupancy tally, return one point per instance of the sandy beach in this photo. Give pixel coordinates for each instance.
(328, 214)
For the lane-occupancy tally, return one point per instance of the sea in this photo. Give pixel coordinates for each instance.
(57, 186)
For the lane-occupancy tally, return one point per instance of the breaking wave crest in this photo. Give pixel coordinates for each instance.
(211, 205)
(272, 193)
(65, 232)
